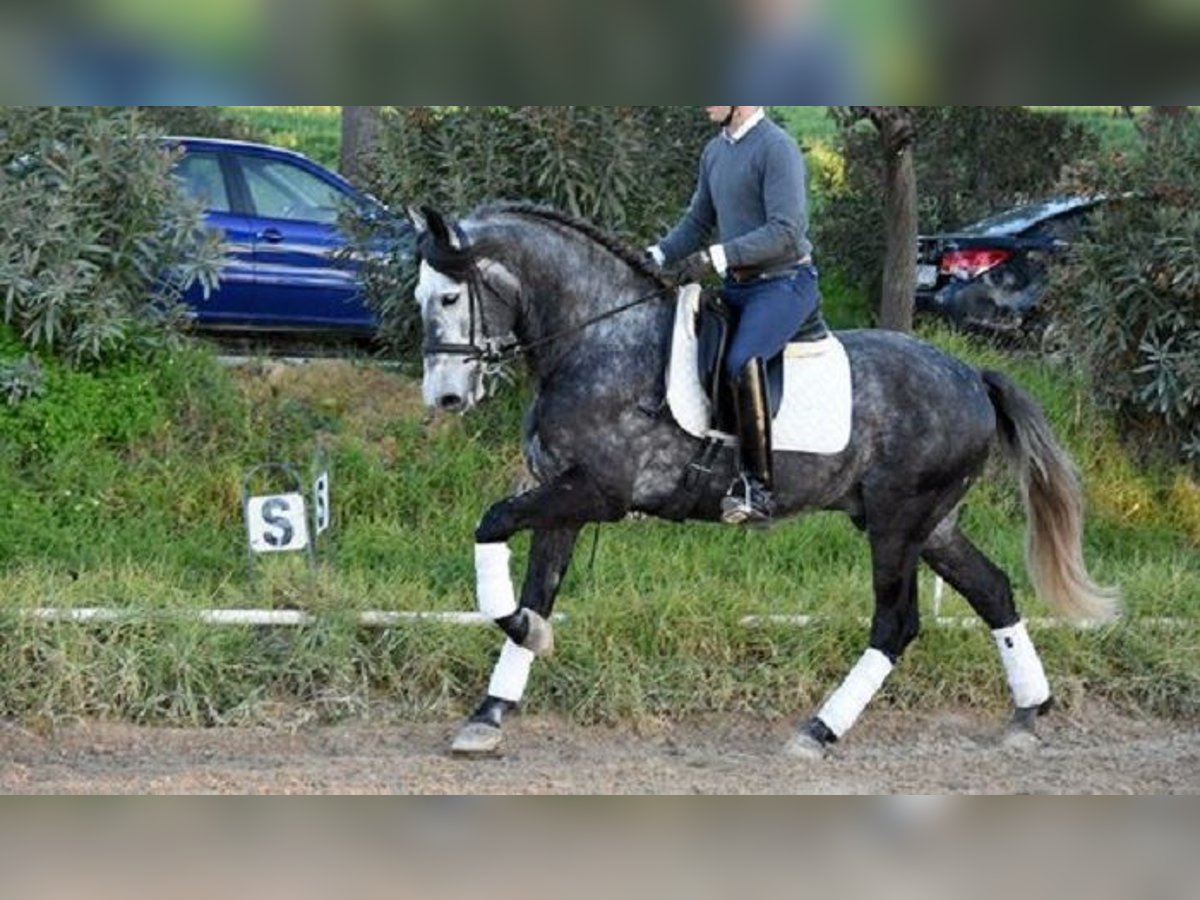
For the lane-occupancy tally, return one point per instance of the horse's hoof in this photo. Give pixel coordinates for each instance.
(1020, 740)
(477, 739)
(1021, 734)
(804, 746)
(539, 639)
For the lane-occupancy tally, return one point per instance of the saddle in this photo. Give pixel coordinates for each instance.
(715, 323)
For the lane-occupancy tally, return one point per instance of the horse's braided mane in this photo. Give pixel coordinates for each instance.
(614, 245)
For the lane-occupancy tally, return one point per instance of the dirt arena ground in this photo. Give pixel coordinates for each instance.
(1093, 750)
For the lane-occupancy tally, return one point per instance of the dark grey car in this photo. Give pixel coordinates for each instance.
(990, 275)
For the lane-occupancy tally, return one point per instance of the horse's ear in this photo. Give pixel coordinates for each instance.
(436, 225)
(418, 219)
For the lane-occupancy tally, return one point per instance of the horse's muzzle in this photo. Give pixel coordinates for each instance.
(451, 403)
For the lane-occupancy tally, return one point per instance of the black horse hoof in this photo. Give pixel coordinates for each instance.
(804, 746)
(1021, 733)
(477, 739)
(810, 741)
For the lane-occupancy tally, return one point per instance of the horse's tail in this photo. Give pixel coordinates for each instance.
(1053, 502)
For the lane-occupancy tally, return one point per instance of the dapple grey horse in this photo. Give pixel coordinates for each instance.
(594, 325)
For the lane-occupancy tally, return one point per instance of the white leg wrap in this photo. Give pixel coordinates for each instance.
(493, 586)
(846, 704)
(1026, 677)
(511, 673)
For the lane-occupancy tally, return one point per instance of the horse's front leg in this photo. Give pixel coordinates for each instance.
(555, 512)
(549, 556)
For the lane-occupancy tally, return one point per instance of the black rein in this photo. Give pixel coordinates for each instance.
(489, 353)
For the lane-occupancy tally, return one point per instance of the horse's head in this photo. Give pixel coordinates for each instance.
(468, 312)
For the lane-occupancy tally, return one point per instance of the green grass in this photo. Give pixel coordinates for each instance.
(314, 131)
(153, 524)
(810, 124)
(843, 305)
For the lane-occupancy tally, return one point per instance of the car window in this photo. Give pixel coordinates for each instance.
(281, 190)
(200, 174)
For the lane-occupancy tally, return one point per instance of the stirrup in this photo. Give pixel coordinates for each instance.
(749, 505)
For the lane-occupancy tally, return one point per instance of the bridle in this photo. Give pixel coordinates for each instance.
(492, 352)
(481, 346)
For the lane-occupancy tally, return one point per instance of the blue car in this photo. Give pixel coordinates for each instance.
(279, 213)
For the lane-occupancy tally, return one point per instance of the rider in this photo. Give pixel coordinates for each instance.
(751, 192)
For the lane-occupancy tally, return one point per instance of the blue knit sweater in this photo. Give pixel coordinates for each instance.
(752, 195)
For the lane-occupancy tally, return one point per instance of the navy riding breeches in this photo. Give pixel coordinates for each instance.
(770, 311)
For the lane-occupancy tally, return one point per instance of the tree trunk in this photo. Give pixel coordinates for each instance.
(1164, 121)
(1171, 112)
(360, 129)
(900, 219)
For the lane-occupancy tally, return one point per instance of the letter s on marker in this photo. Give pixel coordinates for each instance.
(271, 515)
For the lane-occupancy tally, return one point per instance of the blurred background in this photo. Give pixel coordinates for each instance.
(913, 847)
(783, 51)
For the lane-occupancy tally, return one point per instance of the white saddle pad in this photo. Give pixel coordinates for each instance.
(815, 415)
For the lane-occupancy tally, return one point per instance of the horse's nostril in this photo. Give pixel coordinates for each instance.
(451, 402)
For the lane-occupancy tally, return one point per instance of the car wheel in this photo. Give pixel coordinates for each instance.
(974, 310)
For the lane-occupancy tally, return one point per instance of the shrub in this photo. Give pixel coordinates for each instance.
(64, 410)
(21, 379)
(970, 161)
(201, 121)
(97, 241)
(629, 169)
(1129, 296)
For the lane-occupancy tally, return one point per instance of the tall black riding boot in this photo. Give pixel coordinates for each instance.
(749, 499)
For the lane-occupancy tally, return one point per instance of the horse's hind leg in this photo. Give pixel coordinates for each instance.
(550, 553)
(987, 589)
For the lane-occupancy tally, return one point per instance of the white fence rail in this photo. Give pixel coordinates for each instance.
(387, 619)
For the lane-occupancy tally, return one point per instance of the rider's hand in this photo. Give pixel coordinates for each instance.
(653, 258)
(693, 268)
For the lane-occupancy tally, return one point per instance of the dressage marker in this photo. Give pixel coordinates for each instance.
(284, 519)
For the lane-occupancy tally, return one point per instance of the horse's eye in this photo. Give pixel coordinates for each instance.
(450, 299)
